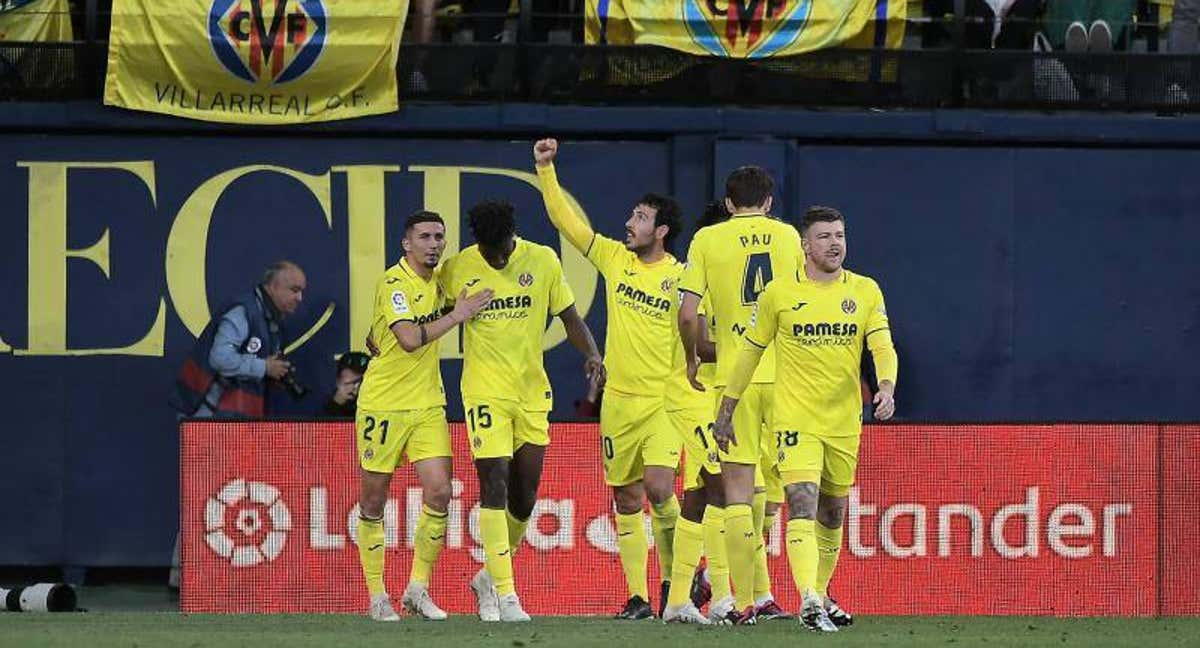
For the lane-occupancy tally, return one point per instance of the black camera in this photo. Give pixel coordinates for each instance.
(294, 388)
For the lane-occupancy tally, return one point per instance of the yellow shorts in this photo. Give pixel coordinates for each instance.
(751, 419)
(496, 428)
(768, 478)
(634, 433)
(694, 428)
(382, 436)
(815, 459)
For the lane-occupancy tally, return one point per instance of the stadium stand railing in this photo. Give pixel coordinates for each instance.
(993, 79)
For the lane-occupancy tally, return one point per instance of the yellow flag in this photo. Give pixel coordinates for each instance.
(745, 28)
(35, 21)
(255, 61)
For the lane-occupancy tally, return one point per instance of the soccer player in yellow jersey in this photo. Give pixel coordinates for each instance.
(732, 262)
(506, 394)
(819, 320)
(638, 443)
(401, 409)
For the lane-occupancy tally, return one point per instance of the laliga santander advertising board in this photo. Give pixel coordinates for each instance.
(1061, 520)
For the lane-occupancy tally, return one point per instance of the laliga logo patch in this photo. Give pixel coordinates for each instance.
(526, 280)
(253, 345)
(246, 523)
(848, 306)
(745, 28)
(269, 40)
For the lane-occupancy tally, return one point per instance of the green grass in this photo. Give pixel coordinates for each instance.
(168, 629)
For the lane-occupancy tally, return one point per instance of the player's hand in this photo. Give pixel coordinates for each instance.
(277, 367)
(372, 347)
(594, 369)
(693, 368)
(467, 305)
(544, 151)
(885, 403)
(723, 428)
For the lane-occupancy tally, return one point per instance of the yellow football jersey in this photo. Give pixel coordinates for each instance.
(396, 379)
(732, 262)
(819, 331)
(502, 345)
(643, 310)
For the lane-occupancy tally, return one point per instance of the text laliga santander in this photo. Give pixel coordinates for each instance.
(1016, 530)
(253, 103)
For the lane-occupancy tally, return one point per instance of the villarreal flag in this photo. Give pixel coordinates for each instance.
(746, 28)
(255, 61)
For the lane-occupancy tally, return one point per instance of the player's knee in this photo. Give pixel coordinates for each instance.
(714, 489)
(831, 511)
(628, 499)
(521, 504)
(493, 482)
(802, 501)
(659, 491)
(437, 495)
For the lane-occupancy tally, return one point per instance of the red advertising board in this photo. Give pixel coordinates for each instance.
(1045, 520)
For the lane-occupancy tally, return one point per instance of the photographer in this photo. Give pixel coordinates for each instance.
(350, 370)
(241, 348)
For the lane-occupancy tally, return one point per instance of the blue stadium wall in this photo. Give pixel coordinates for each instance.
(1036, 268)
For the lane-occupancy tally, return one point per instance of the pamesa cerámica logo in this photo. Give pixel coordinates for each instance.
(273, 41)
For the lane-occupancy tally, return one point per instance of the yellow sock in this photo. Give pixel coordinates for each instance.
(714, 548)
(802, 554)
(516, 531)
(430, 537)
(371, 553)
(689, 544)
(829, 546)
(663, 520)
(741, 541)
(762, 578)
(493, 530)
(633, 547)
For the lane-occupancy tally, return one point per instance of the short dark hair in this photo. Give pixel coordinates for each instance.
(748, 186)
(355, 360)
(820, 214)
(422, 216)
(492, 223)
(666, 212)
(714, 212)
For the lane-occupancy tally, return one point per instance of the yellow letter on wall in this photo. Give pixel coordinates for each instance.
(48, 254)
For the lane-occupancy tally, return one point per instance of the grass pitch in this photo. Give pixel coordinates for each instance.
(169, 629)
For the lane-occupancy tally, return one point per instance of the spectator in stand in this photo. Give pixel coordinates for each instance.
(1182, 34)
(987, 24)
(344, 401)
(1088, 25)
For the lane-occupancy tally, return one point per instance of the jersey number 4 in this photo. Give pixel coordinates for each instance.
(756, 276)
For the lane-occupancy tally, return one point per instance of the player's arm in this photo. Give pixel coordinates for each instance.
(413, 336)
(581, 338)
(883, 353)
(562, 216)
(706, 349)
(755, 342)
(692, 285)
(562, 306)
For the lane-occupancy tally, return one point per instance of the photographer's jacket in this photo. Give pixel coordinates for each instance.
(225, 375)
